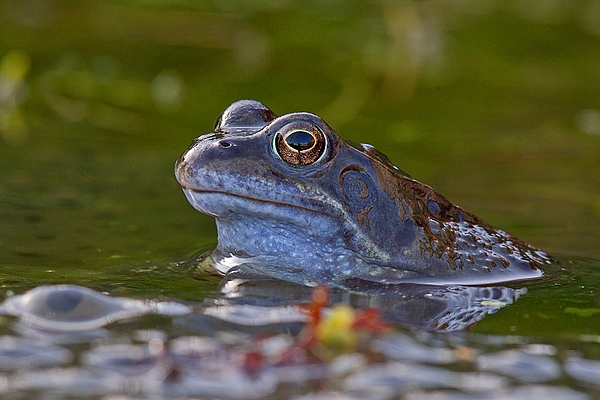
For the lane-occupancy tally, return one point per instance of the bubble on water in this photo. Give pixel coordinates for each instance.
(67, 308)
(70, 308)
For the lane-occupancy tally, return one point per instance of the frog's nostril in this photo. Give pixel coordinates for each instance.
(224, 143)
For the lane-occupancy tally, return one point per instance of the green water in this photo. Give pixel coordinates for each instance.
(496, 104)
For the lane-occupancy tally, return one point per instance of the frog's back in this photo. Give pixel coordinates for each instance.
(420, 230)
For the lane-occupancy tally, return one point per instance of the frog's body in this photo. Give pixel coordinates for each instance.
(294, 200)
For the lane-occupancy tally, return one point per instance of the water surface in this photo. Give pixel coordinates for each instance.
(493, 103)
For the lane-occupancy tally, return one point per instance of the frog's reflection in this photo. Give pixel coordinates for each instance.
(257, 300)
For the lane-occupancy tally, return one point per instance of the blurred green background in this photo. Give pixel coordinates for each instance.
(496, 104)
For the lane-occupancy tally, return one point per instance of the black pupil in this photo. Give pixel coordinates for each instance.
(300, 140)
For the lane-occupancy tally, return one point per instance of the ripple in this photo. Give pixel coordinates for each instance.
(393, 378)
(402, 347)
(521, 365)
(583, 370)
(125, 359)
(74, 381)
(250, 315)
(17, 353)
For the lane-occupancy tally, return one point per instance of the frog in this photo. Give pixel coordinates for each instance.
(295, 201)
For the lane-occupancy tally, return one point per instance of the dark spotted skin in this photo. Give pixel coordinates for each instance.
(294, 200)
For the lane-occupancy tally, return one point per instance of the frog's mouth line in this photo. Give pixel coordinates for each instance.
(254, 199)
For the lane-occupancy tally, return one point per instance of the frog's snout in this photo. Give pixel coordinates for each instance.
(182, 170)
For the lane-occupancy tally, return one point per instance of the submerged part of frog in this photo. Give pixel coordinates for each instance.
(295, 201)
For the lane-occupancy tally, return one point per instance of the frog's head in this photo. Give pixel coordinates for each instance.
(287, 187)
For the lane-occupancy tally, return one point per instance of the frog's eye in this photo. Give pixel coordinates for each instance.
(300, 146)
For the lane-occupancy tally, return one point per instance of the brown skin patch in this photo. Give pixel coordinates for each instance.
(442, 244)
(363, 217)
